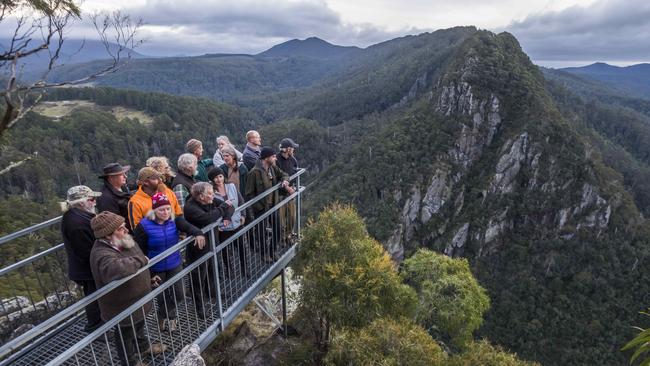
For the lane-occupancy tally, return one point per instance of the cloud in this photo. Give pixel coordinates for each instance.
(607, 30)
(248, 26)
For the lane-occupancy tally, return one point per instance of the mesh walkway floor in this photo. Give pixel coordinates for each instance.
(233, 284)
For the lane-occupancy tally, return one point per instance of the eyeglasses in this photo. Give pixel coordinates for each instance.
(123, 229)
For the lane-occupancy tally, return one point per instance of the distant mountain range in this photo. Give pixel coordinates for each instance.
(73, 52)
(451, 140)
(631, 79)
(310, 47)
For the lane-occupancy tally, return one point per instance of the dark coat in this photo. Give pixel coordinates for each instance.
(184, 180)
(288, 165)
(259, 181)
(250, 157)
(78, 240)
(201, 215)
(109, 264)
(115, 201)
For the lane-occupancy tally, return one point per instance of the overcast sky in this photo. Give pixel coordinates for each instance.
(552, 32)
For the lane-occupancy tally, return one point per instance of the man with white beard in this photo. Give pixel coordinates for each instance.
(115, 255)
(78, 240)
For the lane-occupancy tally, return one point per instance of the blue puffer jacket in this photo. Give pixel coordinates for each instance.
(160, 238)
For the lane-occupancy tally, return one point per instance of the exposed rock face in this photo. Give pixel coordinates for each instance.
(190, 355)
(437, 195)
(18, 313)
(509, 165)
(459, 240)
(404, 232)
(523, 165)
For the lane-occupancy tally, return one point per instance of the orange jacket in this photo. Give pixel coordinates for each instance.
(140, 204)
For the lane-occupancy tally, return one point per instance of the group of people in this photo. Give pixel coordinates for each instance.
(112, 234)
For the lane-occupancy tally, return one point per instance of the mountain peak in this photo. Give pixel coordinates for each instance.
(309, 47)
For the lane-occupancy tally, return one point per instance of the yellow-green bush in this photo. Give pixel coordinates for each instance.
(348, 279)
(385, 342)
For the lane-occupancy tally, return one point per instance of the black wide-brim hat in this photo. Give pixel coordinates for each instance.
(114, 169)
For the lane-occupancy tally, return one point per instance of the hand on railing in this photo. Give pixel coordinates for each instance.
(199, 241)
(156, 281)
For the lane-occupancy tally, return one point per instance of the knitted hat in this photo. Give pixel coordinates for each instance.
(266, 152)
(105, 224)
(192, 145)
(148, 173)
(213, 172)
(158, 200)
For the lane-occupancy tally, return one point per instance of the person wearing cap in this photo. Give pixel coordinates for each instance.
(116, 255)
(263, 176)
(115, 193)
(252, 150)
(194, 146)
(224, 142)
(149, 182)
(78, 240)
(184, 180)
(161, 164)
(157, 232)
(288, 163)
(234, 171)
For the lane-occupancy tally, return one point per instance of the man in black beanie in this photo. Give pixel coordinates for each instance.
(263, 176)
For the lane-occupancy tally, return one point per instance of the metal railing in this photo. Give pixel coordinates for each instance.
(199, 301)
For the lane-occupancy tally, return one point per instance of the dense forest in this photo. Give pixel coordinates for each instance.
(451, 141)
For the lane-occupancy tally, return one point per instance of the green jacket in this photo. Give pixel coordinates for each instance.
(259, 181)
(202, 170)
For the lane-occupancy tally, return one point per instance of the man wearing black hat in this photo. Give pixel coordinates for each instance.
(287, 162)
(263, 176)
(115, 193)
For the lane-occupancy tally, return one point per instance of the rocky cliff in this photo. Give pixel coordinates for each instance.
(482, 164)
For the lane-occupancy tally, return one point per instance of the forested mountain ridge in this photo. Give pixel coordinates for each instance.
(483, 165)
(451, 140)
(633, 78)
(73, 149)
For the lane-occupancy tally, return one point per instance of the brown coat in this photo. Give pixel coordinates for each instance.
(108, 264)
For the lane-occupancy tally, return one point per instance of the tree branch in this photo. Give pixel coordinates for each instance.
(13, 165)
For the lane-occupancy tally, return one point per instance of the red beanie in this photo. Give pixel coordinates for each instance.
(159, 199)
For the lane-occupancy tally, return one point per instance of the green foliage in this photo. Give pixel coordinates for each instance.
(484, 354)
(385, 342)
(73, 149)
(641, 345)
(451, 301)
(348, 279)
(315, 151)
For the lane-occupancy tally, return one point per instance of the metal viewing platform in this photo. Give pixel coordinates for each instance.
(43, 320)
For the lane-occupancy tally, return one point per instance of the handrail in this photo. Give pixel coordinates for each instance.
(16, 343)
(55, 220)
(29, 230)
(141, 302)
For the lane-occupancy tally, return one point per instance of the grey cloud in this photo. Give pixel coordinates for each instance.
(247, 26)
(607, 30)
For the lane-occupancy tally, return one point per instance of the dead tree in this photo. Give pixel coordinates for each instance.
(40, 29)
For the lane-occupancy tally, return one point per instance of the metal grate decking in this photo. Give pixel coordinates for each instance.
(190, 327)
(242, 266)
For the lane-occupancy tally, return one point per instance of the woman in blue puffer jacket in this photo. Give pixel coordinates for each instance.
(155, 233)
